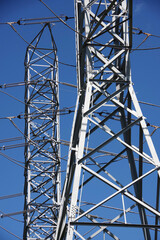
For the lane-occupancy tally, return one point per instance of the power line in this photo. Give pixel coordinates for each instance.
(63, 83)
(15, 219)
(29, 21)
(141, 43)
(61, 20)
(57, 16)
(150, 104)
(146, 49)
(15, 213)
(63, 111)
(11, 196)
(71, 65)
(18, 84)
(116, 47)
(140, 31)
(147, 36)
(11, 160)
(12, 97)
(66, 64)
(17, 163)
(10, 232)
(11, 25)
(69, 111)
(10, 139)
(7, 147)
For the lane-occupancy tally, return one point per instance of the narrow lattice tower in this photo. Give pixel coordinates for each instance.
(112, 183)
(42, 151)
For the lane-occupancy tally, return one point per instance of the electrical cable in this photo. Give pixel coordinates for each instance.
(57, 16)
(63, 142)
(18, 84)
(35, 19)
(20, 116)
(24, 116)
(133, 49)
(67, 64)
(155, 128)
(63, 83)
(115, 47)
(147, 36)
(61, 19)
(10, 139)
(17, 163)
(12, 160)
(12, 97)
(7, 147)
(140, 43)
(11, 196)
(5, 215)
(11, 25)
(70, 65)
(18, 33)
(150, 104)
(141, 32)
(16, 213)
(114, 208)
(29, 21)
(60, 62)
(10, 232)
(69, 111)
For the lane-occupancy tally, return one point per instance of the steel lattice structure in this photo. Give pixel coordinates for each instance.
(112, 160)
(42, 151)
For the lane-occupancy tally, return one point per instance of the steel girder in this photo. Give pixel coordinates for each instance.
(42, 151)
(105, 196)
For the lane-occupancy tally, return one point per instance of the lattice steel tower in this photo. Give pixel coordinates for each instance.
(42, 151)
(111, 189)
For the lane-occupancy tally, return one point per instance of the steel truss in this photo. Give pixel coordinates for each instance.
(42, 151)
(105, 195)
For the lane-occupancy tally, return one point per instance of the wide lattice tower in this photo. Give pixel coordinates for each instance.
(42, 151)
(112, 183)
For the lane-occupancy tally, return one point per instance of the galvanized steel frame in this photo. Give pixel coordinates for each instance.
(107, 104)
(42, 133)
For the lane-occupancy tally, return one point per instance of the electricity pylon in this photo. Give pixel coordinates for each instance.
(111, 189)
(42, 151)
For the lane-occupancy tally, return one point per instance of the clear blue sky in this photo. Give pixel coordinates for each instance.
(145, 75)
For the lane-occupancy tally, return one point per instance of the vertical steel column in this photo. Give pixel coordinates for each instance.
(107, 149)
(42, 152)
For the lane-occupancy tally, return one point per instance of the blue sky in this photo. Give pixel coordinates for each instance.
(145, 75)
